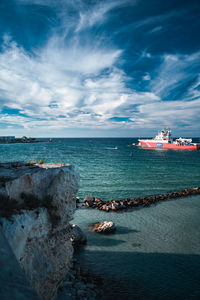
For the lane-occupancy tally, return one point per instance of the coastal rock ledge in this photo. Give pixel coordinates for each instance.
(36, 204)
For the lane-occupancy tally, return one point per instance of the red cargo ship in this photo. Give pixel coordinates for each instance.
(163, 141)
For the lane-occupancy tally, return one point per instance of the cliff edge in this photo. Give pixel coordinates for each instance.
(36, 204)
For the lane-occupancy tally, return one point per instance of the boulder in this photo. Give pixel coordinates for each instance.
(115, 206)
(104, 227)
(89, 199)
(99, 204)
(77, 238)
(89, 203)
(97, 200)
(77, 200)
(105, 207)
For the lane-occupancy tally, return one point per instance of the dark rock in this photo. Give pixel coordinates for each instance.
(89, 203)
(83, 286)
(67, 284)
(81, 293)
(78, 238)
(89, 198)
(107, 208)
(91, 285)
(97, 200)
(130, 203)
(103, 207)
(122, 206)
(80, 286)
(114, 206)
(99, 204)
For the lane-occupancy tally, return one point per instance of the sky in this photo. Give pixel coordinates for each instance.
(101, 68)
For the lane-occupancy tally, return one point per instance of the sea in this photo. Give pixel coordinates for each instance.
(155, 252)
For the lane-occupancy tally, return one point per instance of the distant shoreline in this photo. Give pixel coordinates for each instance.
(24, 142)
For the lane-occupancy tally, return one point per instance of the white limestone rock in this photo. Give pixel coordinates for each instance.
(40, 236)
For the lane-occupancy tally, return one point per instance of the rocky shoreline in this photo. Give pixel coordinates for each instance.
(37, 203)
(118, 205)
(81, 284)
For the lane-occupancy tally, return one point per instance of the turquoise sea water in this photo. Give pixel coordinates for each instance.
(155, 253)
(112, 173)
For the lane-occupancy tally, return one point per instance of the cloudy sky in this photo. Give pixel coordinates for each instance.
(79, 68)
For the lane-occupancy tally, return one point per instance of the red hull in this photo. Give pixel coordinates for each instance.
(160, 145)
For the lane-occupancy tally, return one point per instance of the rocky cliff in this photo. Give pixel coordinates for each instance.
(36, 205)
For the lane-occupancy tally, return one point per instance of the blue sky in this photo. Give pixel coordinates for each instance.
(75, 68)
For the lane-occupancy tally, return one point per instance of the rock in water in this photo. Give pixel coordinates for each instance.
(104, 227)
(89, 201)
(77, 238)
(89, 198)
(40, 201)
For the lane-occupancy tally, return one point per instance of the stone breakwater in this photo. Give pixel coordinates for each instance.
(117, 205)
(36, 204)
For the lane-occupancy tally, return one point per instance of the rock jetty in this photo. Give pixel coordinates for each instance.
(118, 205)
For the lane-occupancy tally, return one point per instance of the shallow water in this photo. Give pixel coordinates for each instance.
(155, 253)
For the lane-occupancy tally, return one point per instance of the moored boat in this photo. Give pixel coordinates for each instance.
(163, 140)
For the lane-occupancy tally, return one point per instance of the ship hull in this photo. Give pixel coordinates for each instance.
(160, 145)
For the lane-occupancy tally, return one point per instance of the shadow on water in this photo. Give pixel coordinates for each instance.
(125, 230)
(145, 276)
(105, 242)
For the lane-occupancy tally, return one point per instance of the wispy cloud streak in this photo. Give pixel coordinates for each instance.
(81, 78)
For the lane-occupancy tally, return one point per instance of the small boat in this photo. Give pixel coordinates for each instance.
(163, 140)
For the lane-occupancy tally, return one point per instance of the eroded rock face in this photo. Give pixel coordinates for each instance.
(41, 201)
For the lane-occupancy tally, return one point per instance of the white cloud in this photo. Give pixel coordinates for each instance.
(76, 58)
(159, 19)
(70, 86)
(147, 77)
(65, 86)
(96, 14)
(52, 82)
(175, 71)
(172, 114)
(155, 29)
